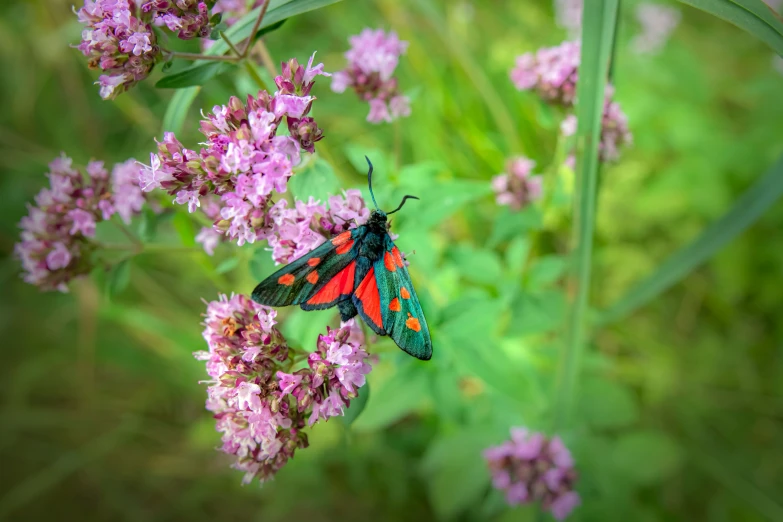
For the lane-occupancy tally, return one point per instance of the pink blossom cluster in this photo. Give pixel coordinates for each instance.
(657, 22)
(517, 187)
(533, 468)
(55, 241)
(187, 18)
(552, 72)
(299, 229)
(244, 161)
(372, 59)
(118, 38)
(260, 404)
(568, 15)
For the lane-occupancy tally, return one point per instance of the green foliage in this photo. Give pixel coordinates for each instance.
(194, 76)
(677, 413)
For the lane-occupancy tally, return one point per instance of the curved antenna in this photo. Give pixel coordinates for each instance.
(369, 181)
(401, 204)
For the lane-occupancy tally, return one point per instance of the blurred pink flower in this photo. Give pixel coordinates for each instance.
(372, 59)
(533, 468)
(517, 188)
(657, 23)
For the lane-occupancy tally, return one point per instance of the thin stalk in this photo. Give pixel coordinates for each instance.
(197, 56)
(266, 58)
(230, 45)
(256, 77)
(255, 28)
(597, 31)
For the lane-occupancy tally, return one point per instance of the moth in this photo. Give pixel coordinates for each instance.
(361, 272)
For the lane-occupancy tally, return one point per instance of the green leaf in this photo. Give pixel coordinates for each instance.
(750, 15)
(270, 28)
(178, 107)
(317, 180)
(119, 278)
(607, 404)
(448, 197)
(536, 313)
(748, 208)
(516, 255)
(598, 24)
(545, 270)
(395, 398)
(510, 224)
(185, 229)
(456, 472)
(193, 76)
(302, 328)
(278, 11)
(357, 405)
(227, 265)
(477, 265)
(645, 457)
(261, 264)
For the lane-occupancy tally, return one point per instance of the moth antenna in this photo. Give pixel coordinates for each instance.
(369, 181)
(401, 204)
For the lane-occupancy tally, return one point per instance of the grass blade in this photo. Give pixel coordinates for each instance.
(178, 108)
(747, 15)
(598, 24)
(748, 208)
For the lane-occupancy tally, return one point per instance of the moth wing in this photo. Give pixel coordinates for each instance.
(400, 309)
(304, 278)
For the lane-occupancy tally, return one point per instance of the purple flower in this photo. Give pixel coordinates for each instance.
(532, 468)
(568, 15)
(657, 23)
(56, 235)
(517, 188)
(552, 73)
(260, 408)
(372, 59)
(244, 161)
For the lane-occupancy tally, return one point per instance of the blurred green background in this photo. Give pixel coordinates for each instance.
(680, 407)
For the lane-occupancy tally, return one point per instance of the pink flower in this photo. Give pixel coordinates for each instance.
(55, 243)
(517, 188)
(658, 23)
(372, 59)
(533, 468)
(262, 411)
(244, 162)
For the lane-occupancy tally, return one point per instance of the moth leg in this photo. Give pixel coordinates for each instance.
(347, 309)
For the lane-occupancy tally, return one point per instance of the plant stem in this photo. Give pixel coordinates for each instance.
(597, 32)
(196, 56)
(266, 59)
(256, 77)
(255, 28)
(230, 44)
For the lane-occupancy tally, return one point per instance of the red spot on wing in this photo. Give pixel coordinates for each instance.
(413, 323)
(367, 293)
(286, 279)
(340, 284)
(344, 247)
(394, 305)
(404, 293)
(342, 238)
(388, 262)
(312, 277)
(397, 257)
(314, 261)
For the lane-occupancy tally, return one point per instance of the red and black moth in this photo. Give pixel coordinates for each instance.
(362, 272)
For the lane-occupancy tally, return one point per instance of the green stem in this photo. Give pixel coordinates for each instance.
(255, 28)
(597, 33)
(196, 56)
(230, 45)
(256, 77)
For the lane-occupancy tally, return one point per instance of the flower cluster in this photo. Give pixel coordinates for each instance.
(657, 23)
(516, 187)
(372, 59)
(568, 15)
(55, 240)
(553, 73)
(530, 467)
(118, 38)
(244, 160)
(261, 407)
(299, 229)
